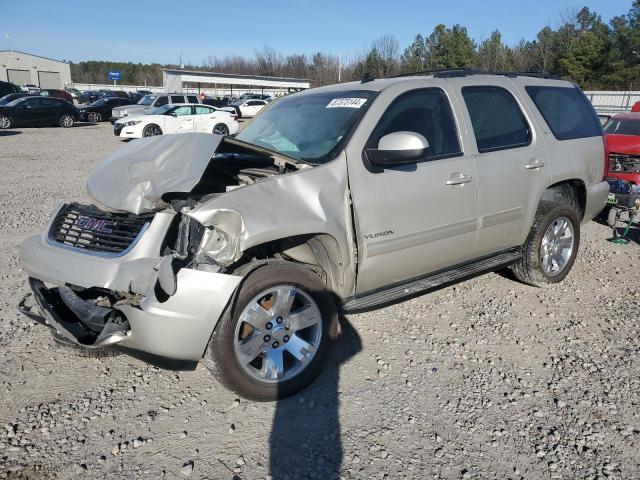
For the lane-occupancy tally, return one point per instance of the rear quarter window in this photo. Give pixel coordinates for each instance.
(567, 112)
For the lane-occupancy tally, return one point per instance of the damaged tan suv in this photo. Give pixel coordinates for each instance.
(241, 251)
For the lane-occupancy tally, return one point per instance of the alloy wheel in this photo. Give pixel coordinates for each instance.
(152, 131)
(5, 122)
(557, 246)
(278, 334)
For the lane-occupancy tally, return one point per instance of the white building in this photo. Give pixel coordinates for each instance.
(22, 68)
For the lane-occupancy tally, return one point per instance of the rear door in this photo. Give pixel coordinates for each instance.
(204, 119)
(511, 158)
(413, 219)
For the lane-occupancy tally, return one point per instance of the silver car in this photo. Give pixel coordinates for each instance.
(241, 251)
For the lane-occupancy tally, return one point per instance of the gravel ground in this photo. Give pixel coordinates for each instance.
(486, 379)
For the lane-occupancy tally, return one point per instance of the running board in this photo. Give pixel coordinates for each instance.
(382, 297)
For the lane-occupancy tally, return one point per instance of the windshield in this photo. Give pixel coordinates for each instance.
(310, 127)
(161, 110)
(99, 102)
(147, 100)
(623, 127)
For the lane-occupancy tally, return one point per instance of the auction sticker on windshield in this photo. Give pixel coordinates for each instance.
(346, 103)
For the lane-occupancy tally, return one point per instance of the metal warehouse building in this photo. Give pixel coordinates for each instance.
(228, 84)
(21, 68)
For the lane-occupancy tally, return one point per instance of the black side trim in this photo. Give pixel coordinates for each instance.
(410, 288)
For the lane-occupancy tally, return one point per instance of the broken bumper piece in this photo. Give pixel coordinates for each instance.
(77, 320)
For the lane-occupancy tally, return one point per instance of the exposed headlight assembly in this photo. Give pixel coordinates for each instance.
(221, 239)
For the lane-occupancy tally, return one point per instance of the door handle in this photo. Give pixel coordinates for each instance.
(458, 179)
(534, 164)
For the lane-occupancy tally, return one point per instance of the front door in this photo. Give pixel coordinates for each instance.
(512, 162)
(413, 219)
(180, 120)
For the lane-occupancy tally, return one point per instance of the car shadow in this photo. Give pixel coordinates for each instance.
(8, 133)
(85, 124)
(305, 440)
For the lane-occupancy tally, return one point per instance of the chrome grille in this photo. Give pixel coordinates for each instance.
(86, 227)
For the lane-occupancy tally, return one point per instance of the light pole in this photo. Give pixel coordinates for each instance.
(8, 37)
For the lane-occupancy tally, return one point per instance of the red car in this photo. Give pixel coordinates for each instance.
(52, 92)
(622, 139)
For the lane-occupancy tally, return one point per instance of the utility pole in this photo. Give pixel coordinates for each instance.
(8, 37)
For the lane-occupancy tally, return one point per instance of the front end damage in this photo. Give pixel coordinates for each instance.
(155, 263)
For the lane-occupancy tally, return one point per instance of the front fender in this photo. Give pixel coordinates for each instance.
(309, 201)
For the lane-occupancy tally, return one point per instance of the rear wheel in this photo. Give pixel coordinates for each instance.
(151, 130)
(551, 247)
(65, 120)
(221, 129)
(274, 338)
(5, 122)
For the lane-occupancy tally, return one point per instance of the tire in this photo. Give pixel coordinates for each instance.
(540, 265)
(94, 117)
(222, 356)
(66, 121)
(151, 130)
(5, 122)
(221, 129)
(62, 344)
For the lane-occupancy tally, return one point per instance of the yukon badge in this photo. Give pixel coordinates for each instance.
(371, 236)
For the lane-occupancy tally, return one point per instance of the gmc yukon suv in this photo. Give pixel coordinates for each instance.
(241, 251)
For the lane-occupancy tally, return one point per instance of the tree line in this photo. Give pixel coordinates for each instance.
(583, 48)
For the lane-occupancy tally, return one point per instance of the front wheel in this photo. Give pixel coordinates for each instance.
(5, 122)
(66, 120)
(221, 129)
(274, 338)
(551, 247)
(94, 117)
(151, 131)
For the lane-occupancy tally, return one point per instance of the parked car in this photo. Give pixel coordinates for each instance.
(135, 96)
(52, 92)
(37, 111)
(217, 102)
(76, 95)
(13, 96)
(31, 88)
(246, 108)
(254, 96)
(151, 102)
(100, 110)
(240, 251)
(622, 136)
(177, 118)
(6, 88)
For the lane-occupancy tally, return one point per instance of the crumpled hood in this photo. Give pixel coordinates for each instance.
(134, 177)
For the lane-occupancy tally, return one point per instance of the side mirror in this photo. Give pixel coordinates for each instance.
(398, 148)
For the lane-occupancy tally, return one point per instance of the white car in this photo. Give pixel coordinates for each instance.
(246, 108)
(177, 118)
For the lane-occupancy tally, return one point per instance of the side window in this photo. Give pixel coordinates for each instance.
(202, 110)
(181, 111)
(48, 102)
(31, 102)
(160, 101)
(498, 123)
(177, 99)
(566, 111)
(427, 112)
(192, 99)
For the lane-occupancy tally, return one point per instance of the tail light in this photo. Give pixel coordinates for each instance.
(606, 157)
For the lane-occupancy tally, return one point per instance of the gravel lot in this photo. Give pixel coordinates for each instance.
(486, 379)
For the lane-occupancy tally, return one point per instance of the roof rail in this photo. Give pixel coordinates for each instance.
(464, 72)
